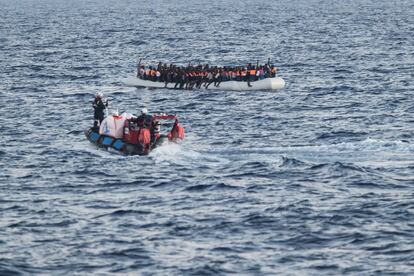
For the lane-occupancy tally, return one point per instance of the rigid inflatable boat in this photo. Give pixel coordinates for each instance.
(264, 84)
(131, 135)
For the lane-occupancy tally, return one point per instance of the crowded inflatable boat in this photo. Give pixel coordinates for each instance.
(236, 78)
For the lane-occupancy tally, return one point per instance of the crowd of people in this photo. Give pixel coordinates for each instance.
(188, 77)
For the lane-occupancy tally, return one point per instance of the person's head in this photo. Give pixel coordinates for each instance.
(99, 95)
(144, 111)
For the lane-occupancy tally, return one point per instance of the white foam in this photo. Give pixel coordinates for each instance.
(368, 151)
(186, 152)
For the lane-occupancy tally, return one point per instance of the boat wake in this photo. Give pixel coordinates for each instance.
(370, 152)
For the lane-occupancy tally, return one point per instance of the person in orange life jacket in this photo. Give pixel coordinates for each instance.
(152, 74)
(147, 75)
(144, 122)
(99, 107)
(273, 70)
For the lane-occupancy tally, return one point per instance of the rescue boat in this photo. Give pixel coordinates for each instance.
(268, 84)
(131, 135)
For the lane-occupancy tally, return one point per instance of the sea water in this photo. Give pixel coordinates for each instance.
(317, 178)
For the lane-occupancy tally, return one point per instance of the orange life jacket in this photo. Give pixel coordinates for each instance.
(144, 136)
(252, 72)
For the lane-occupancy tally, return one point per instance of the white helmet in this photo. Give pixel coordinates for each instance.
(99, 94)
(144, 111)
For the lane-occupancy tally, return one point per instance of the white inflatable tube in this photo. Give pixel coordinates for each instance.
(265, 84)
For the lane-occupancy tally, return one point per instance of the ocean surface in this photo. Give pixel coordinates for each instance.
(314, 179)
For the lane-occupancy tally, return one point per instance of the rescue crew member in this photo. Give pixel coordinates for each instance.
(144, 120)
(99, 107)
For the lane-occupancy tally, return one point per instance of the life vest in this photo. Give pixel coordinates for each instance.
(130, 133)
(144, 136)
(252, 72)
(274, 70)
(243, 73)
(147, 72)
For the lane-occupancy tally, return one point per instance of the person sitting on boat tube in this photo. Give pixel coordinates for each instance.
(99, 107)
(273, 70)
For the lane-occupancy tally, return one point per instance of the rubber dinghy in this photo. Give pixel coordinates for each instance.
(264, 84)
(130, 135)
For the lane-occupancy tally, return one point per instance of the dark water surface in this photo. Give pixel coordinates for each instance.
(317, 178)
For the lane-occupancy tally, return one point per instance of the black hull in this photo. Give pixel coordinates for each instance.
(109, 143)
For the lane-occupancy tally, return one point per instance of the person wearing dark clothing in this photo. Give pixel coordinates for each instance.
(178, 78)
(249, 67)
(99, 106)
(217, 78)
(144, 120)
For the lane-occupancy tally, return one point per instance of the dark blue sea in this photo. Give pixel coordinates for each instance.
(314, 179)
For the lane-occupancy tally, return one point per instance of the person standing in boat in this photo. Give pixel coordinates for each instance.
(144, 120)
(249, 68)
(99, 106)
